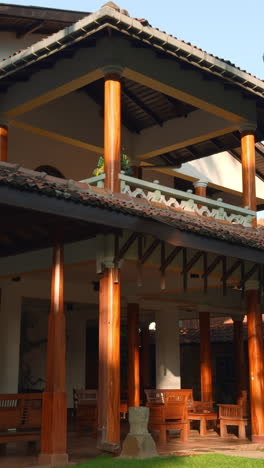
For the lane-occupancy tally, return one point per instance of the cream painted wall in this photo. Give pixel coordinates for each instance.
(10, 313)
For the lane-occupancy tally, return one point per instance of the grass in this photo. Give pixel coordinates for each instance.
(197, 461)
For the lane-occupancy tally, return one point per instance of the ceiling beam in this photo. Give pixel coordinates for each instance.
(30, 29)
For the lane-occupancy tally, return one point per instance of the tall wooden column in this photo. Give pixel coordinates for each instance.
(248, 158)
(54, 411)
(239, 357)
(205, 357)
(133, 380)
(255, 355)
(145, 359)
(3, 142)
(109, 361)
(112, 130)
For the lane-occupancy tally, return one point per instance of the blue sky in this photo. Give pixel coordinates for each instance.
(230, 29)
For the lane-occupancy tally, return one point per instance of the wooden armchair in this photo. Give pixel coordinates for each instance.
(168, 411)
(234, 415)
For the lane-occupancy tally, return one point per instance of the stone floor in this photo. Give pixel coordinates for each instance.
(83, 448)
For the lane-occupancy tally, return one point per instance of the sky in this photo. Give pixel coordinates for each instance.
(229, 29)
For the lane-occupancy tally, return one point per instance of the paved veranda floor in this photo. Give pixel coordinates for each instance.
(83, 448)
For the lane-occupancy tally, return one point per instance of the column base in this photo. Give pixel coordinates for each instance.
(53, 459)
(105, 446)
(258, 439)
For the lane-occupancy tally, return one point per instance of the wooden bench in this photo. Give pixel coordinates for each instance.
(168, 411)
(234, 415)
(20, 418)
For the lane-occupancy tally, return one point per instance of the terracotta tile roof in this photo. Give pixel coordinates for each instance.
(221, 68)
(22, 179)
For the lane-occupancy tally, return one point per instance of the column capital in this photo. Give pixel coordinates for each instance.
(247, 126)
(251, 285)
(113, 69)
(200, 183)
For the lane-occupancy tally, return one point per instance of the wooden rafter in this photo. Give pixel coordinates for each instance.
(192, 262)
(170, 258)
(128, 243)
(231, 270)
(213, 265)
(184, 263)
(30, 29)
(249, 273)
(205, 266)
(149, 251)
(127, 92)
(224, 276)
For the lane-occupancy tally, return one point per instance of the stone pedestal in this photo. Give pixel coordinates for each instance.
(138, 443)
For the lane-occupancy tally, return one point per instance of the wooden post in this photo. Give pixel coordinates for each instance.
(3, 142)
(248, 159)
(54, 411)
(133, 380)
(112, 130)
(205, 357)
(109, 361)
(145, 359)
(200, 187)
(239, 357)
(255, 355)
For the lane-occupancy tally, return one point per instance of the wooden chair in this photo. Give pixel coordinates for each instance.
(201, 411)
(20, 418)
(86, 410)
(234, 415)
(168, 411)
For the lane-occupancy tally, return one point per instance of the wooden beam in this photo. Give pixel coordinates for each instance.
(213, 265)
(192, 262)
(170, 258)
(126, 246)
(149, 251)
(249, 273)
(231, 270)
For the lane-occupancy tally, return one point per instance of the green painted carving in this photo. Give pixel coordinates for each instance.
(125, 166)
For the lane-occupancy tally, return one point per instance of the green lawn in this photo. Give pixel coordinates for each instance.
(197, 461)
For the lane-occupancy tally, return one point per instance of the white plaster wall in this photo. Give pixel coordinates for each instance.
(9, 43)
(168, 373)
(221, 170)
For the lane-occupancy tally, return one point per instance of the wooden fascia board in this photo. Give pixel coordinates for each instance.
(90, 214)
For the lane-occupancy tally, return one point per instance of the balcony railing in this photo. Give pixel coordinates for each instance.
(187, 201)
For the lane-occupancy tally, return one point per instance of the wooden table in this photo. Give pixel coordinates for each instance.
(203, 417)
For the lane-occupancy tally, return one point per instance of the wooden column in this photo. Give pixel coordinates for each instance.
(54, 412)
(205, 357)
(248, 159)
(109, 361)
(239, 357)
(112, 130)
(3, 142)
(145, 359)
(133, 380)
(255, 355)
